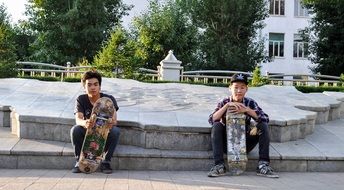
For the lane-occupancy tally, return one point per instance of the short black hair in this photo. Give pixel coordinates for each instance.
(91, 74)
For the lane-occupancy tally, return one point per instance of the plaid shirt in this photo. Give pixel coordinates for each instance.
(248, 102)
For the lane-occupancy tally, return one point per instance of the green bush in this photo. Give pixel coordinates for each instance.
(45, 78)
(72, 79)
(309, 89)
(8, 70)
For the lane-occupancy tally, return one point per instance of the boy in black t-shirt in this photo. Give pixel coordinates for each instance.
(91, 82)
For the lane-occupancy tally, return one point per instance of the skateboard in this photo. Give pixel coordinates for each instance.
(95, 138)
(236, 142)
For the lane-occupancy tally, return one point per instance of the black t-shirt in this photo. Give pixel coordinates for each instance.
(84, 105)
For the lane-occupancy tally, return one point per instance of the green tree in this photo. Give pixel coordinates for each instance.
(257, 78)
(229, 40)
(327, 36)
(7, 49)
(162, 28)
(119, 57)
(70, 30)
(23, 38)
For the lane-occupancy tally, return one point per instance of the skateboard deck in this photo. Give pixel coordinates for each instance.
(95, 138)
(236, 142)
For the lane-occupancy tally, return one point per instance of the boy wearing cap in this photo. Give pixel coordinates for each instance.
(238, 87)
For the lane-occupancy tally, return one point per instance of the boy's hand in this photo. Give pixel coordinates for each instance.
(89, 124)
(110, 123)
(236, 107)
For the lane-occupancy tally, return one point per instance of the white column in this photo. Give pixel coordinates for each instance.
(170, 68)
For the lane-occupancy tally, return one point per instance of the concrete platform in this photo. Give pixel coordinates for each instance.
(44, 110)
(164, 126)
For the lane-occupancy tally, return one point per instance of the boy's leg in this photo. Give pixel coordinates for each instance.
(263, 138)
(218, 141)
(218, 136)
(264, 141)
(77, 134)
(264, 168)
(111, 143)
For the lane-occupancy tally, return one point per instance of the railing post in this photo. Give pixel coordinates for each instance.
(68, 69)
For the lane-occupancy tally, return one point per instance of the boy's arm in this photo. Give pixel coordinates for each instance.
(257, 113)
(217, 115)
(79, 120)
(114, 120)
(251, 113)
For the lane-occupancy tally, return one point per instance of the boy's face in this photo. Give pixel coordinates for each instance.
(238, 90)
(92, 87)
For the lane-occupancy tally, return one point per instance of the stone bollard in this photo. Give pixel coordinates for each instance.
(170, 68)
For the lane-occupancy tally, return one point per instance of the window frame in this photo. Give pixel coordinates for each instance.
(276, 7)
(299, 10)
(276, 43)
(300, 48)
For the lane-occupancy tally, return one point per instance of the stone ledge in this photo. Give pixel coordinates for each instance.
(136, 158)
(5, 116)
(50, 128)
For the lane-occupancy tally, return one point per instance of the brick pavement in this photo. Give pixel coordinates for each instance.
(17, 179)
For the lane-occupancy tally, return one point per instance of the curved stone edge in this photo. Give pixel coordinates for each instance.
(154, 136)
(339, 96)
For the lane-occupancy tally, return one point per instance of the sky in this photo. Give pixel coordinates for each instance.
(16, 9)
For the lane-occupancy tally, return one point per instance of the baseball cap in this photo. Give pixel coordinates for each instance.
(239, 77)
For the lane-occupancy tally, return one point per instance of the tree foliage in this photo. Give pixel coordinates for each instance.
(327, 36)
(7, 49)
(162, 28)
(119, 57)
(70, 30)
(230, 27)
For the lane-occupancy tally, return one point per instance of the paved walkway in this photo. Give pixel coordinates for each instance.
(162, 180)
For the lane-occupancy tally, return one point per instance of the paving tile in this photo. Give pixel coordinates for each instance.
(327, 143)
(66, 186)
(299, 150)
(7, 145)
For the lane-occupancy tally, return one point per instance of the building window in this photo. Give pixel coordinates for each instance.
(276, 45)
(299, 10)
(277, 7)
(300, 49)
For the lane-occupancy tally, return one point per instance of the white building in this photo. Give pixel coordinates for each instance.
(283, 42)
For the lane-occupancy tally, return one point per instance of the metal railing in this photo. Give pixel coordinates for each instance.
(153, 74)
(202, 76)
(50, 70)
(209, 76)
(220, 76)
(304, 80)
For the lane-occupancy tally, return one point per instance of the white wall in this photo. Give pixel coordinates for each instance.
(289, 25)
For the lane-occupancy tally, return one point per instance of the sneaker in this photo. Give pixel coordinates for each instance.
(76, 168)
(265, 170)
(105, 168)
(217, 170)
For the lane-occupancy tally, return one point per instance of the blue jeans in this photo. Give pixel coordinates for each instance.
(219, 141)
(78, 132)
